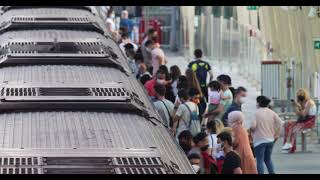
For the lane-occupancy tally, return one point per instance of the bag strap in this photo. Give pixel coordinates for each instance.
(190, 114)
(211, 140)
(170, 118)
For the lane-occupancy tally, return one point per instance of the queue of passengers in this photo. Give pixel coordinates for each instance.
(206, 118)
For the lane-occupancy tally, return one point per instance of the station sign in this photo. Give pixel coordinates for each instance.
(252, 8)
(317, 44)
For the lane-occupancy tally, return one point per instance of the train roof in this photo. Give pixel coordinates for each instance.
(71, 128)
(71, 47)
(70, 103)
(48, 18)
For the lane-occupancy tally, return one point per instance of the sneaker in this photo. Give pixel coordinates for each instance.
(287, 146)
(285, 151)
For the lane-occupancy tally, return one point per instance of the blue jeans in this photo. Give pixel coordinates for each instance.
(263, 155)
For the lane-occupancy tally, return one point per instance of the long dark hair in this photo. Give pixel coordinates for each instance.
(182, 83)
(193, 81)
(175, 72)
(212, 126)
(263, 101)
(165, 69)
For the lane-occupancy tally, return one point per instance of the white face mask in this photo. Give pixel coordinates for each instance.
(242, 100)
(196, 168)
(160, 81)
(148, 50)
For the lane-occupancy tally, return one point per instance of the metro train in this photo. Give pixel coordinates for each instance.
(70, 104)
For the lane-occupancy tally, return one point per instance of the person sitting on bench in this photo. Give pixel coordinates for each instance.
(305, 109)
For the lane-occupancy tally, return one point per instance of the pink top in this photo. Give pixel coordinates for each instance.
(266, 126)
(214, 97)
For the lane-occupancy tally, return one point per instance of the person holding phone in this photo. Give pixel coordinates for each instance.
(306, 110)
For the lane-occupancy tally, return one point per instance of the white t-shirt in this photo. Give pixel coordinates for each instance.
(313, 111)
(113, 25)
(155, 54)
(185, 115)
(135, 47)
(162, 109)
(174, 88)
(213, 144)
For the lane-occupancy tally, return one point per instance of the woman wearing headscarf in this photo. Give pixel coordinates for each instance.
(241, 142)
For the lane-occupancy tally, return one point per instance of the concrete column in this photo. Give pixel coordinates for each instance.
(187, 16)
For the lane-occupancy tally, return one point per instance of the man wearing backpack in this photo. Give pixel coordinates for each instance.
(162, 105)
(187, 115)
(201, 68)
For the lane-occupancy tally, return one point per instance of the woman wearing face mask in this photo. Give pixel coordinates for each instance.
(305, 109)
(241, 142)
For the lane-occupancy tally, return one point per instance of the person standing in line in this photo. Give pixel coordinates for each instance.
(195, 161)
(169, 93)
(162, 105)
(175, 74)
(182, 83)
(151, 34)
(232, 161)
(129, 51)
(185, 140)
(213, 129)
(125, 41)
(265, 130)
(227, 98)
(239, 99)
(144, 75)
(111, 26)
(202, 69)
(157, 55)
(160, 78)
(187, 115)
(126, 22)
(194, 83)
(241, 143)
(207, 163)
(214, 96)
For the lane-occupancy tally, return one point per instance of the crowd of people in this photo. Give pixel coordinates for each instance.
(204, 114)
